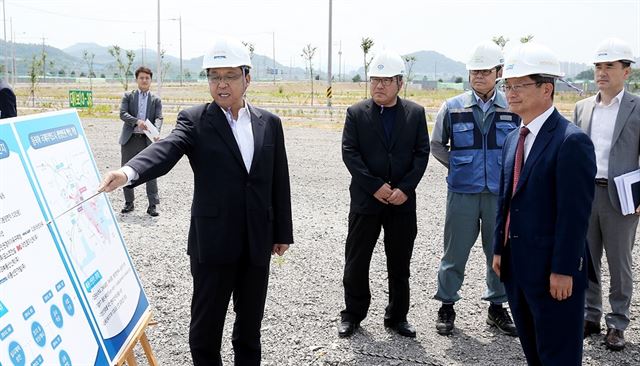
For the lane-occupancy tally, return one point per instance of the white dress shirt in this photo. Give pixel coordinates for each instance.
(243, 133)
(603, 120)
(534, 128)
(143, 97)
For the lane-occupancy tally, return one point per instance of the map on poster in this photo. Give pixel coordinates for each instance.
(69, 294)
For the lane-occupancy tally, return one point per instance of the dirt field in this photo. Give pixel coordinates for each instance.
(305, 290)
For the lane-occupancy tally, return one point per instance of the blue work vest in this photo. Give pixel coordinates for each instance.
(475, 157)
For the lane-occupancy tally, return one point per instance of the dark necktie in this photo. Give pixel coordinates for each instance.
(517, 168)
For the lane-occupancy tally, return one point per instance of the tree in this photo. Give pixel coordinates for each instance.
(88, 58)
(202, 74)
(356, 79)
(250, 47)
(585, 75)
(124, 66)
(34, 75)
(410, 61)
(187, 75)
(165, 65)
(366, 45)
(72, 73)
(458, 80)
(62, 73)
(500, 41)
(526, 38)
(308, 52)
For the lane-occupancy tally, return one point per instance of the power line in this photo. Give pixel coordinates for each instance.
(66, 15)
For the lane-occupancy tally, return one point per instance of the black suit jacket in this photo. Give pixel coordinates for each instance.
(551, 206)
(233, 212)
(7, 101)
(372, 161)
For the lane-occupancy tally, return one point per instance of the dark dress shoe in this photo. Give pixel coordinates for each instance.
(152, 211)
(446, 319)
(499, 317)
(128, 207)
(614, 340)
(346, 329)
(591, 328)
(403, 328)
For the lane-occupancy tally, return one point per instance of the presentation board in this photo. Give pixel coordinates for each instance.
(69, 294)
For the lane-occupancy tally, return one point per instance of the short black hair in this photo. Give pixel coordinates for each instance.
(144, 69)
(543, 79)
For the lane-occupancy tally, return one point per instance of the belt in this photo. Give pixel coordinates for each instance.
(602, 182)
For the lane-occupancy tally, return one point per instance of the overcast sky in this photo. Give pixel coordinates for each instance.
(570, 28)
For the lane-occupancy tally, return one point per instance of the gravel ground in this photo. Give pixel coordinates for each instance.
(305, 289)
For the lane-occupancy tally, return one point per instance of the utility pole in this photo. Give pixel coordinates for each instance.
(340, 62)
(181, 70)
(159, 59)
(6, 56)
(179, 19)
(273, 43)
(329, 91)
(13, 52)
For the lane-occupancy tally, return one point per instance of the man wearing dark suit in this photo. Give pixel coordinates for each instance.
(385, 146)
(241, 210)
(612, 119)
(136, 107)
(546, 189)
(7, 101)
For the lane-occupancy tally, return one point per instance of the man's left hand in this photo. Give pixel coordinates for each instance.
(397, 197)
(279, 249)
(561, 286)
(638, 211)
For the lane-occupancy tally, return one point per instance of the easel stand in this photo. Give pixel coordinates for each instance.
(139, 336)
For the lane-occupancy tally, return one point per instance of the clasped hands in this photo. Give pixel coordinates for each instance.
(388, 195)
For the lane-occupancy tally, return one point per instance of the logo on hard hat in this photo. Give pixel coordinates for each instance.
(380, 67)
(219, 57)
(509, 67)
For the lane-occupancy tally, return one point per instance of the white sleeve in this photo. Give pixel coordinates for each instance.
(130, 173)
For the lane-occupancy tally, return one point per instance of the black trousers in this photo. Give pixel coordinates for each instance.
(399, 234)
(137, 143)
(550, 331)
(213, 285)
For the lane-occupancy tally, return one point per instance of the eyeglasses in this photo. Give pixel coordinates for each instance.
(516, 88)
(227, 79)
(481, 72)
(383, 81)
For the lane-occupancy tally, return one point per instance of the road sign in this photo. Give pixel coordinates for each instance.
(329, 93)
(80, 99)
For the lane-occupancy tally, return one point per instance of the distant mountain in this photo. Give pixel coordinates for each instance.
(429, 63)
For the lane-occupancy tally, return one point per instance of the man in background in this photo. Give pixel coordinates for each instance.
(385, 147)
(467, 139)
(612, 119)
(136, 107)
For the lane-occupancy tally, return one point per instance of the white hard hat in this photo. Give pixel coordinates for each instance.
(530, 59)
(613, 49)
(226, 52)
(485, 56)
(386, 64)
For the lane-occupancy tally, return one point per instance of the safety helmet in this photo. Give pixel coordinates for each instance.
(613, 49)
(386, 64)
(530, 59)
(226, 52)
(486, 55)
